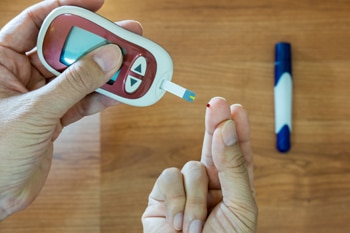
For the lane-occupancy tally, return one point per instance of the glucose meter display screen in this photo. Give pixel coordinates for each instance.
(80, 42)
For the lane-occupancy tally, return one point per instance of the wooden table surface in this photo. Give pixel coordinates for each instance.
(105, 166)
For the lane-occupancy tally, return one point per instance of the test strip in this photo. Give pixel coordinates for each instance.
(179, 91)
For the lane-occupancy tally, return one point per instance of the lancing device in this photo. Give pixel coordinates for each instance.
(283, 96)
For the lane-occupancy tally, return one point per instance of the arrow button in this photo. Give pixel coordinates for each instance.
(132, 84)
(139, 66)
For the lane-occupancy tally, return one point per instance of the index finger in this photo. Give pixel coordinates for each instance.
(20, 34)
(217, 112)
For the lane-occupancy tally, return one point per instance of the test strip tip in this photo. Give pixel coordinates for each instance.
(179, 91)
(189, 96)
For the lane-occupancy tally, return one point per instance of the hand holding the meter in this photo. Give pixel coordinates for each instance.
(33, 111)
(216, 194)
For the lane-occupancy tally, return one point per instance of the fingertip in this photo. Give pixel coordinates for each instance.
(241, 119)
(236, 106)
(228, 133)
(131, 25)
(82, 78)
(238, 110)
(92, 5)
(196, 226)
(216, 100)
(226, 149)
(178, 221)
(108, 57)
(217, 111)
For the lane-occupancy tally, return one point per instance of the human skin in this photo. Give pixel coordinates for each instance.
(35, 106)
(215, 194)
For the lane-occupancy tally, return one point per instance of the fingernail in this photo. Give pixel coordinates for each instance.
(108, 57)
(178, 221)
(196, 226)
(237, 105)
(219, 97)
(228, 133)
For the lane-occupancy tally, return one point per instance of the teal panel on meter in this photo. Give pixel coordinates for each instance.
(79, 42)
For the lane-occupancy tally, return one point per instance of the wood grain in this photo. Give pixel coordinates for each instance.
(219, 48)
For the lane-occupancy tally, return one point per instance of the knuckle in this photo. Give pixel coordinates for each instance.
(195, 201)
(194, 170)
(171, 184)
(236, 161)
(170, 173)
(82, 109)
(193, 166)
(169, 177)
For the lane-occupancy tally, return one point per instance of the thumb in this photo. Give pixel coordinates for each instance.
(81, 78)
(231, 166)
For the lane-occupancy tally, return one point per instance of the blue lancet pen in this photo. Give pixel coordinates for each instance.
(283, 96)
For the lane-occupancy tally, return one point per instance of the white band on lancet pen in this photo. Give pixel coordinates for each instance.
(179, 91)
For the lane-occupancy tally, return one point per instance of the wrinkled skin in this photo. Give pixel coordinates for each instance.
(33, 111)
(216, 194)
